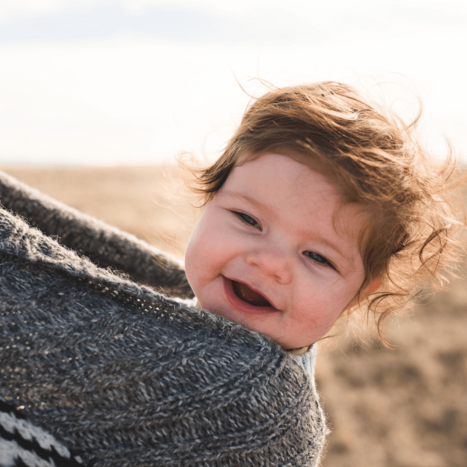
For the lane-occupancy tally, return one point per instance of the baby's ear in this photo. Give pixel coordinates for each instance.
(372, 288)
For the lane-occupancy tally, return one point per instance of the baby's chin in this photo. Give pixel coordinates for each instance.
(260, 326)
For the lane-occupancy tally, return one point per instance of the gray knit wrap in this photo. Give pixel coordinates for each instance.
(123, 375)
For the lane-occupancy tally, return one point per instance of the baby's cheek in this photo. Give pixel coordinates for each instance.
(190, 270)
(201, 259)
(321, 311)
(195, 261)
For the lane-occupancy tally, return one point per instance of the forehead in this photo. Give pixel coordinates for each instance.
(283, 179)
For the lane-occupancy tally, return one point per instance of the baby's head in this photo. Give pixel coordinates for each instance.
(321, 200)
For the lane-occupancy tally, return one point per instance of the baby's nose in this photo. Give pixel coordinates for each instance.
(272, 263)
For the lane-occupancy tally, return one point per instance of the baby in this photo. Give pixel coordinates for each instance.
(322, 200)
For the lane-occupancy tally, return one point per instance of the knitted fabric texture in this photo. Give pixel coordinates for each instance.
(23, 444)
(104, 245)
(123, 375)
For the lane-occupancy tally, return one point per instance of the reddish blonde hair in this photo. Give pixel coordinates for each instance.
(377, 163)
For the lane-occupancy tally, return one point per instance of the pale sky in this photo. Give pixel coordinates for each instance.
(95, 82)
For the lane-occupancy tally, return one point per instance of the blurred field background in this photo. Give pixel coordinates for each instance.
(405, 407)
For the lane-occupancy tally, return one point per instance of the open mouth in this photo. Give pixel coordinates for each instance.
(243, 292)
(244, 299)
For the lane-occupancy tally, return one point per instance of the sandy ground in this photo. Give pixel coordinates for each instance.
(394, 408)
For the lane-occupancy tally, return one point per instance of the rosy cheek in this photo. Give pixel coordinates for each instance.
(203, 258)
(195, 258)
(321, 313)
(190, 270)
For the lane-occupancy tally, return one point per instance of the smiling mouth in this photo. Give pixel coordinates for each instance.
(243, 292)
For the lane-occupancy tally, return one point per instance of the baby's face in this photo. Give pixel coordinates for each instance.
(267, 253)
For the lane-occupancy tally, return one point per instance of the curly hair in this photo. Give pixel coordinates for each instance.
(415, 212)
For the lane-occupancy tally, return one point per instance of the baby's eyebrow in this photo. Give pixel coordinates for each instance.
(251, 200)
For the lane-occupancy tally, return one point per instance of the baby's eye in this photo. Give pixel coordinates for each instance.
(247, 219)
(318, 258)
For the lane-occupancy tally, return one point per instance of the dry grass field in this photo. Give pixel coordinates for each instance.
(405, 407)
